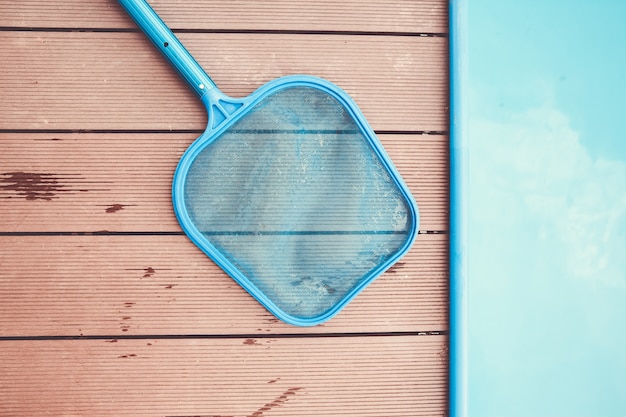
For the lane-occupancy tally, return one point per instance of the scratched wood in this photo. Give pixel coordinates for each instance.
(112, 81)
(424, 16)
(149, 285)
(122, 182)
(107, 309)
(253, 377)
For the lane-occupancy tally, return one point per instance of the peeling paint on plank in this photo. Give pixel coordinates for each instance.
(113, 208)
(42, 185)
(278, 401)
(32, 185)
(260, 412)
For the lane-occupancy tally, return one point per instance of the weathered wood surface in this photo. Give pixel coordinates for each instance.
(106, 308)
(252, 377)
(149, 285)
(118, 81)
(396, 16)
(122, 182)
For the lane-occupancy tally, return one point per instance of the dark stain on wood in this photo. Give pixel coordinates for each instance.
(128, 305)
(112, 341)
(396, 267)
(444, 353)
(132, 355)
(41, 185)
(278, 401)
(114, 208)
(32, 185)
(148, 272)
(250, 342)
(273, 381)
(125, 323)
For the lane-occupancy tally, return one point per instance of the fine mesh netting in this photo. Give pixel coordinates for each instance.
(295, 197)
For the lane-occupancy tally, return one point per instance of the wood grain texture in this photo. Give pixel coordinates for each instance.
(401, 16)
(375, 376)
(107, 309)
(80, 182)
(112, 81)
(159, 285)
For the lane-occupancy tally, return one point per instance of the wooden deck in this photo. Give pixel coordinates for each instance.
(107, 309)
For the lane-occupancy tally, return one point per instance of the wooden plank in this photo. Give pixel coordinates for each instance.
(159, 285)
(422, 161)
(429, 16)
(353, 376)
(83, 182)
(112, 81)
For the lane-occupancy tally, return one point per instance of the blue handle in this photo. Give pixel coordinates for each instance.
(167, 43)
